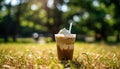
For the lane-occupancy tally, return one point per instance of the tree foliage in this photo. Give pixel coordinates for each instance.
(99, 18)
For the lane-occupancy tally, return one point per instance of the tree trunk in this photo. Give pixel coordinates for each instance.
(17, 22)
(15, 30)
(97, 37)
(118, 37)
(6, 33)
(7, 21)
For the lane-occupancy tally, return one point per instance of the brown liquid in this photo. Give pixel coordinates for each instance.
(65, 53)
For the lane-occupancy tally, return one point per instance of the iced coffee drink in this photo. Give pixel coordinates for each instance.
(65, 44)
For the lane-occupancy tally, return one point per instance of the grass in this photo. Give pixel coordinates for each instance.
(44, 56)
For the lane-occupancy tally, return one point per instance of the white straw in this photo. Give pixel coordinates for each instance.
(70, 27)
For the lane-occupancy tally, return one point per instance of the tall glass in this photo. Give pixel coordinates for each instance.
(65, 46)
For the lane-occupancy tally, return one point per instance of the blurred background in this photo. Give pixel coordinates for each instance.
(93, 20)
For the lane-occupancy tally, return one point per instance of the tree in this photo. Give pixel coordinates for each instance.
(116, 16)
(6, 22)
(99, 18)
(11, 20)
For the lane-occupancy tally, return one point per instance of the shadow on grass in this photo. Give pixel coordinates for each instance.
(76, 63)
(71, 64)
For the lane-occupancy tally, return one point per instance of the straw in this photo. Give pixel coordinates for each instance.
(70, 27)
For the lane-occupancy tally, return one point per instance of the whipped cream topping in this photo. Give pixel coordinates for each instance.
(63, 31)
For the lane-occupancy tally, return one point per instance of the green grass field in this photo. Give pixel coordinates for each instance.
(44, 56)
